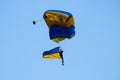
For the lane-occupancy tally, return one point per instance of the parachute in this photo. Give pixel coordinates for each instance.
(60, 24)
(55, 53)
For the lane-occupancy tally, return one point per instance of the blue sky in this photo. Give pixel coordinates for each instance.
(93, 54)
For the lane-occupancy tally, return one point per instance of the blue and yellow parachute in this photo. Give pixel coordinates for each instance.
(55, 53)
(60, 24)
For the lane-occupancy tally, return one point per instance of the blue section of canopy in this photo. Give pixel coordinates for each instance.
(53, 51)
(61, 32)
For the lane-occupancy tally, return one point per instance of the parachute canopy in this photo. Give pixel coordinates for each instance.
(55, 53)
(60, 24)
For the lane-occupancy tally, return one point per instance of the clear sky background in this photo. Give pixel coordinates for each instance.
(93, 54)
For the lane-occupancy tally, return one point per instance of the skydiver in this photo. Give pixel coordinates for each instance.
(61, 55)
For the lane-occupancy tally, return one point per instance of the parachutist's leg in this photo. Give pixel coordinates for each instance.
(63, 62)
